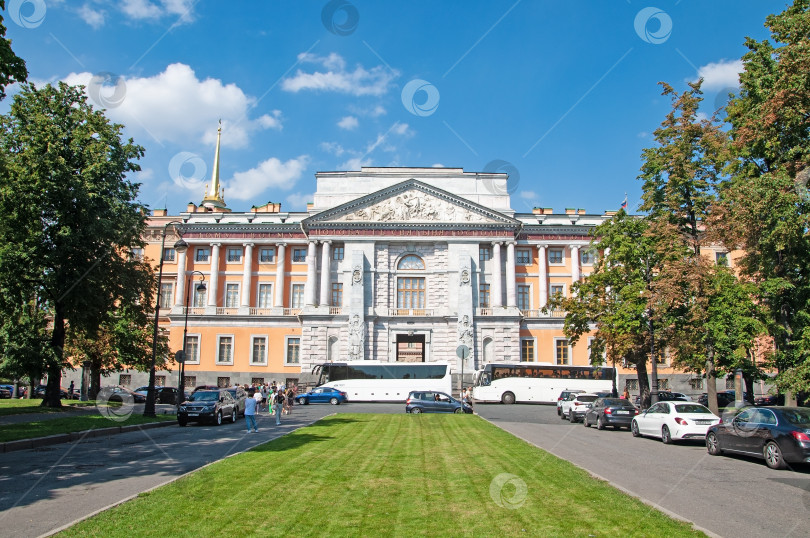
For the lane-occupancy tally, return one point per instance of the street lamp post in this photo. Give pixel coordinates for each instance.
(181, 376)
(653, 362)
(149, 406)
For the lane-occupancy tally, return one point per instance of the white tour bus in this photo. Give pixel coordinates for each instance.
(376, 381)
(537, 382)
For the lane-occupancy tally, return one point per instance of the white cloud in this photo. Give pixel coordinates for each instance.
(355, 163)
(402, 129)
(361, 158)
(140, 9)
(176, 106)
(270, 173)
(349, 123)
(148, 9)
(299, 200)
(332, 147)
(375, 81)
(437, 165)
(93, 17)
(528, 195)
(722, 74)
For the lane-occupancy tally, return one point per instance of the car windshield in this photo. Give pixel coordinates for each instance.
(587, 398)
(617, 401)
(204, 396)
(797, 417)
(691, 408)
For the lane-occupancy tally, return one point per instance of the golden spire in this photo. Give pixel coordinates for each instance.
(213, 197)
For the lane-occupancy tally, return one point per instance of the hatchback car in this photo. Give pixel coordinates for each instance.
(672, 421)
(564, 396)
(779, 435)
(434, 402)
(575, 407)
(322, 395)
(616, 412)
(208, 406)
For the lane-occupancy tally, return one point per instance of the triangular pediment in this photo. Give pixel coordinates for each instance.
(411, 202)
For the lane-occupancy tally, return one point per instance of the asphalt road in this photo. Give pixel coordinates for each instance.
(729, 496)
(44, 489)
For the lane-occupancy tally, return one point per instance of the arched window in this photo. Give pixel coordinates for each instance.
(411, 262)
(411, 289)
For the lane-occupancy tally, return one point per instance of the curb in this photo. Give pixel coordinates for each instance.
(38, 442)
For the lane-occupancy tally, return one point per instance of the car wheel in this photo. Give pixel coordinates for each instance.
(508, 398)
(713, 444)
(600, 424)
(218, 418)
(634, 429)
(334, 401)
(571, 418)
(416, 410)
(563, 416)
(457, 410)
(773, 456)
(182, 422)
(666, 437)
(559, 412)
(585, 422)
(234, 416)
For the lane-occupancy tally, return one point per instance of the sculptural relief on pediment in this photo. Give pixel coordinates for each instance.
(413, 206)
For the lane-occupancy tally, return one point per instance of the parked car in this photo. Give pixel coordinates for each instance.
(164, 395)
(240, 396)
(674, 420)
(208, 405)
(779, 435)
(6, 392)
(575, 407)
(39, 392)
(205, 387)
(770, 399)
(725, 398)
(616, 412)
(322, 395)
(565, 395)
(434, 402)
(117, 392)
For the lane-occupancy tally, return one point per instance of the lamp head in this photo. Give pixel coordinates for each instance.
(181, 246)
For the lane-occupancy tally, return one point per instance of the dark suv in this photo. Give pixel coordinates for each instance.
(208, 405)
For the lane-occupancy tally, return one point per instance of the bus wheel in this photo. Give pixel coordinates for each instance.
(508, 398)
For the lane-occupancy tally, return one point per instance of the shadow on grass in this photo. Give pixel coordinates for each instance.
(290, 442)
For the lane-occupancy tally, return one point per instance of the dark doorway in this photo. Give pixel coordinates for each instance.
(411, 348)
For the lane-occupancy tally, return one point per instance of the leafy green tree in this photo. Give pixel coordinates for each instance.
(70, 217)
(12, 67)
(24, 349)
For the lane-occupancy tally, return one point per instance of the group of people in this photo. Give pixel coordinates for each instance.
(277, 400)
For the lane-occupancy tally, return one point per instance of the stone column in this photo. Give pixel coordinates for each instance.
(280, 263)
(310, 288)
(496, 290)
(180, 287)
(212, 292)
(574, 263)
(543, 263)
(511, 300)
(326, 288)
(246, 275)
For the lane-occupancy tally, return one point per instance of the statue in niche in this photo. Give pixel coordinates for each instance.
(465, 331)
(356, 338)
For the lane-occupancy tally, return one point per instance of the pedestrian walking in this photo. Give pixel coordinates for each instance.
(264, 395)
(289, 395)
(278, 403)
(626, 394)
(250, 413)
(257, 396)
(468, 397)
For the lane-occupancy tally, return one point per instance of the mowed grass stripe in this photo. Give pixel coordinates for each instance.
(392, 475)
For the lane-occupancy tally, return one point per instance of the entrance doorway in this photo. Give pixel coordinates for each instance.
(410, 348)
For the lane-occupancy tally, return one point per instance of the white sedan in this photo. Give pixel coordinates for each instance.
(673, 421)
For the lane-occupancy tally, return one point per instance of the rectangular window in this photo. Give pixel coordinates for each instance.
(231, 295)
(337, 253)
(168, 254)
(561, 351)
(555, 256)
(225, 350)
(199, 297)
(483, 295)
(223, 382)
(297, 296)
(484, 253)
(557, 290)
(411, 292)
(160, 380)
(137, 253)
(523, 256)
(696, 384)
(267, 255)
(189, 381)
(202, 255)
(293, 350)
(265, 298)
(524, 297)
(166, 295)
(527, 350)
(193, 348)
(631, 384)
(663, 384)
(234, 255)
(257, 381)
(259, 355)
(124, 379)
(337, 294)
(587, 257)
(299, 255)
(721, 258)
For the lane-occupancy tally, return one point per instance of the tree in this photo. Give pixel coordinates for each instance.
(764, 208)
(70, 217)
(24, 349)
(12, 67)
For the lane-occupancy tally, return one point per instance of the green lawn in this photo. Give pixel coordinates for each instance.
(41, 428)
(387, 475)
(19, 407)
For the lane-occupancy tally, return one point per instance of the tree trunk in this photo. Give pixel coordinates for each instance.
(643, 382)
(711, 381)
(95, 379)
(749, 388)
(54, 370)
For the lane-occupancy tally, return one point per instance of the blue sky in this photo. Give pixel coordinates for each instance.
(563, 95)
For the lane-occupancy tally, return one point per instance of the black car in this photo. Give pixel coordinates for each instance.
(208, 406)
(240, 396)
(616, 412)
(163, 395)
(429, 401)
(779, 435)
(39, 392)
(725, 398)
